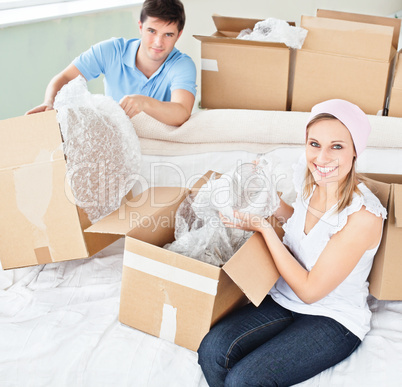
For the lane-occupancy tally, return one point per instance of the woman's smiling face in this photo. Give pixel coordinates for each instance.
(329, 151)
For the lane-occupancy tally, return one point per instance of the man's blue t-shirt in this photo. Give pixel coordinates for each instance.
(115, 58)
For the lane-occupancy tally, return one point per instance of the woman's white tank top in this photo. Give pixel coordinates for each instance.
(347, 304)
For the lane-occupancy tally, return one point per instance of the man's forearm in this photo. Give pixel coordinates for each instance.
(170, 113)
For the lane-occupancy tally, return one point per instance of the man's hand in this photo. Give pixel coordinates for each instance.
(40, 108)
(55, 84)
(174, 112)
(133, 104)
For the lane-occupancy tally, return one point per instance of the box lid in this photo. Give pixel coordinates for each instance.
(35, 196)
(31, 139)
(232, 25)
(238, 42)
(370, 19)
(132, 216)
(144, 206)
(228, 28)
(253, 269)
(348, 38)
(380, 186)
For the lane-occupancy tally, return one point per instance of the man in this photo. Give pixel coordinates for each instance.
(148, 75)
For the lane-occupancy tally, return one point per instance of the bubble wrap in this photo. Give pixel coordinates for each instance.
(102, 149)
(199, 232)
(277, 31)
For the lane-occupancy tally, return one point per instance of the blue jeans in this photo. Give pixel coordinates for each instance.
(272, 346)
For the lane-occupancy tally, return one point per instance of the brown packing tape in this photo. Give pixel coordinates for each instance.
(43, 255)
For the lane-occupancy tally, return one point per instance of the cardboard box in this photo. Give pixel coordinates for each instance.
(172, 296)
(347, 56)
(242, 74)
(40, 222)
(385, 277)
(395, 101)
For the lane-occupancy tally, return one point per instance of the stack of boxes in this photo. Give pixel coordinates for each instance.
(164, 293)
(344, 55)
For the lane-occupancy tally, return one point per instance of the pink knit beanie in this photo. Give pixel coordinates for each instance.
(351, 116)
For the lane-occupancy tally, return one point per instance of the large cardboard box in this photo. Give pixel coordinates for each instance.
(347, 56)
(385, 277)
(395, 100)
(39, 222)
(172, 296)
(242, 74)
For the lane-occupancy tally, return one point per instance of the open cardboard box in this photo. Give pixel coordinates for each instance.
(40, 222)
(385, 277)
(172, 296)
(179, 298)
(347, 56)
(242, 74)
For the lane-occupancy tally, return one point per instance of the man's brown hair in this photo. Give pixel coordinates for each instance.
(171, 11)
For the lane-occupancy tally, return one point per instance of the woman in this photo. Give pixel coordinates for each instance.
(316, 315)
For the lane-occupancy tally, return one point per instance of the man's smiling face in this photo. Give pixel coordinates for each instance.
(158, 38)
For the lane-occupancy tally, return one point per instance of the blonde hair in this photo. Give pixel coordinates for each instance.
(348, 187)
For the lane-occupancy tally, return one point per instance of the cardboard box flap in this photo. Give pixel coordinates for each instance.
(398, 204)
(348, 38)
(236, 24)
(30, 139)
(379, 186)
(39, 223)
(228, 28)
(221, 39)
(370, 19)
(144, 206)
(233, 25)
(253, 270)
(397, 81)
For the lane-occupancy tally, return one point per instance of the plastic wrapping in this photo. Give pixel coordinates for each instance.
(275, 30)
(199, 232)
(102, 149)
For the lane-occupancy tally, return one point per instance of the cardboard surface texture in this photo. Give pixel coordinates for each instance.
(347, 56)
(40, 222)
(395, 101)
(242, 74)
(385, 277)
(175, 297)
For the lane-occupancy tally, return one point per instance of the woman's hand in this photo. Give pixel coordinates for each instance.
(246, 222)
